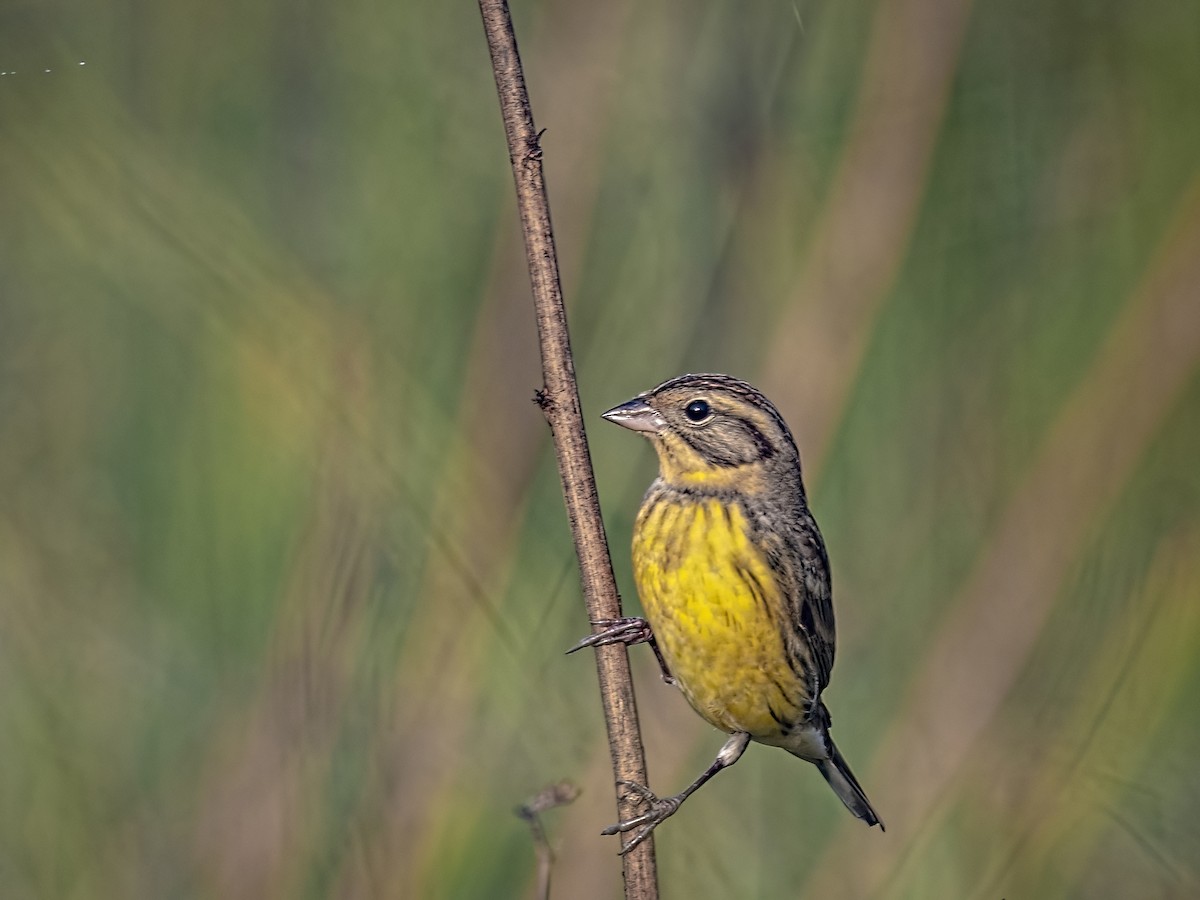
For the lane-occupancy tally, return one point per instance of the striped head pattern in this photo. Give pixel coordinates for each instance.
(714, 432)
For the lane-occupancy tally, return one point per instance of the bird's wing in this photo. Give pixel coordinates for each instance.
(811, 605)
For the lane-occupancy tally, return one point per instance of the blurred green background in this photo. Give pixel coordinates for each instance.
(285, 578)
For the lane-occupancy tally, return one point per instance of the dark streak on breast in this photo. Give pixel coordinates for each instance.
(796, 665)
(783, 725)
(783, 694)
(751, 581)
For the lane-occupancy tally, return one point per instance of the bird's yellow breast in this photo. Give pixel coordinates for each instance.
(717, 612)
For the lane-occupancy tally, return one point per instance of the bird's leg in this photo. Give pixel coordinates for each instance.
(626, 630)
(661, 809)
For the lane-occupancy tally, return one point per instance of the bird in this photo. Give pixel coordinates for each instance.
(734, 580)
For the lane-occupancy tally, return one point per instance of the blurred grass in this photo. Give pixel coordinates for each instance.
(284, 577)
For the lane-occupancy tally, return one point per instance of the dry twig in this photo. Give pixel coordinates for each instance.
(559, 400)
(558, 794)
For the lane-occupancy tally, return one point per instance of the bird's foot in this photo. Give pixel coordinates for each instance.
(658, 810)
(626, 630)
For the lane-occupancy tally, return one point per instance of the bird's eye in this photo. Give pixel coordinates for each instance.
(696, 411)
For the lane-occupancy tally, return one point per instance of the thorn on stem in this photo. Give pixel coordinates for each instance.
(533, 149)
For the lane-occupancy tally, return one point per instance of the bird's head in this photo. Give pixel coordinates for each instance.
(712, 431)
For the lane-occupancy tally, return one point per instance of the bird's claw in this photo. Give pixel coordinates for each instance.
(660, 809)
(625, 630)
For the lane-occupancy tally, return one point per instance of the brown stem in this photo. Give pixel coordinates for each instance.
(560, 402)
(558, 794)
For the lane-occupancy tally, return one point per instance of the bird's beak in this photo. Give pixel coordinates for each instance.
(637, 415)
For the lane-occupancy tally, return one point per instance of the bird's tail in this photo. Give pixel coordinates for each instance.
(846, 786)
